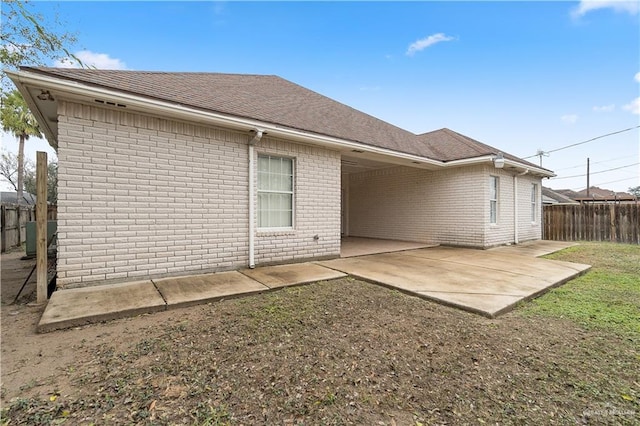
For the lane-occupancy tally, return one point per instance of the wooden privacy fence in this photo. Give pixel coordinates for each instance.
(593, 222)
(14, 223)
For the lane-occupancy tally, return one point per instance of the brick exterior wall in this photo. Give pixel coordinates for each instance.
(142, 196)
(442, 207)
(528, 230)
(317, 206)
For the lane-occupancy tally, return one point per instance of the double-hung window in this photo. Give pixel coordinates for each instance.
(275, 192)
(534, 202)
(493, 199)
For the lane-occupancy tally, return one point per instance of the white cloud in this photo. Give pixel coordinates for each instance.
(637, 77)
(633, 106)
(422, 44)
(100, 61)
(569, 118)
(604, 108)
(586, 6)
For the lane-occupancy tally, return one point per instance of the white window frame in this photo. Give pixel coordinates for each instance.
(494, 181)
(534, 202)
(264, 191)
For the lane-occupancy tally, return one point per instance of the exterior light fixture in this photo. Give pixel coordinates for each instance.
(45, 95)
(498, 161)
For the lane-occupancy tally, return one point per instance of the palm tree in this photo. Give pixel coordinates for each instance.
(20, 122)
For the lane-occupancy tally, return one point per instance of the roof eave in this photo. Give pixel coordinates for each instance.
(71, 89)
(521, 167)
(34, 107)
(75, 90)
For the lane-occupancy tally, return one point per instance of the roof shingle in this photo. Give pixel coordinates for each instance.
(277, 101)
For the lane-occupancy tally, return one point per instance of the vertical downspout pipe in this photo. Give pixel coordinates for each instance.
(256, 138)
(515, 210)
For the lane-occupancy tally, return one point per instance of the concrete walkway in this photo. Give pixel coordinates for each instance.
(79, 306)
(489, 282)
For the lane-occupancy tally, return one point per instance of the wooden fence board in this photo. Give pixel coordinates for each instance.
(593, 222)
(14, 225)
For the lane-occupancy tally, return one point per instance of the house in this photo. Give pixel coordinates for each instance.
(599, 195)
(166, 174)
(11, 197)
(550, 197)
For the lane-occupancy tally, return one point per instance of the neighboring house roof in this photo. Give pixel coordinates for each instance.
(600, 194)
(596, 194)
(553, 197)
(569, 193)
(274, 100)
(12, 198)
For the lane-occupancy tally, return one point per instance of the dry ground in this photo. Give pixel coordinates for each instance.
(336, 352)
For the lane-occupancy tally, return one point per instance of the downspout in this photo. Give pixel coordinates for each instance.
(256, 138)
(516, 238)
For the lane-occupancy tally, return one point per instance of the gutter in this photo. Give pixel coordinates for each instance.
(25, 79)
(511, 163)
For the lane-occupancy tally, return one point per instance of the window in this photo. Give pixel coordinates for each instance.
(275, 192)
(534, 202)
(493, 199)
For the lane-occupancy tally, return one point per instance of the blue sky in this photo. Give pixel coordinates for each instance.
(519, 76)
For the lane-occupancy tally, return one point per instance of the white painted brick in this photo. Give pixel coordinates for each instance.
(443, 207)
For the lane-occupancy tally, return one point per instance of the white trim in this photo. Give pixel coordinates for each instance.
(533, 203)
(292, 193)
(497, 199)
(515, 210)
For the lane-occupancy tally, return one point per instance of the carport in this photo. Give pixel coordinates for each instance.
(368, 226)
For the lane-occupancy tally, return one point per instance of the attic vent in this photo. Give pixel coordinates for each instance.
(100, 101)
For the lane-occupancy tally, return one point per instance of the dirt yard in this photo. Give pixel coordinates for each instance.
(336, 352)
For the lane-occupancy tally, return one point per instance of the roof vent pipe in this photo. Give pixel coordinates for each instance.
(252, 142)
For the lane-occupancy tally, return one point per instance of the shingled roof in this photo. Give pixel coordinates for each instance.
(274, 100)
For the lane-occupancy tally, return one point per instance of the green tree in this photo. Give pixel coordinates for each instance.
(28, 37)
(20, 122)
(52, 180)
(635, 190)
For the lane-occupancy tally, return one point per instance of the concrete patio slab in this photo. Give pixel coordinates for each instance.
(197, 289)
(359, 246)
(536, 248)
(489, 282)
(79, 306)
(290, 275)
(482, 281)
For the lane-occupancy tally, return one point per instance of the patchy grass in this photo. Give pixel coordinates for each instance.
(341, 352)
(607, 297)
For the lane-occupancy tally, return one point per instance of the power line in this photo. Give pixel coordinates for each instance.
(593, 162)
(581, 143)
(606, 183)
(601, 171)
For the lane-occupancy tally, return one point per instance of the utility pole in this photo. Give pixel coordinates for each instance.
(588, 177)
(541, 154)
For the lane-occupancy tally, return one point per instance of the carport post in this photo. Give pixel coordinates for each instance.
(41, 226)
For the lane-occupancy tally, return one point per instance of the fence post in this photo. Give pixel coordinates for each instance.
(41, 226)
(3, 237)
